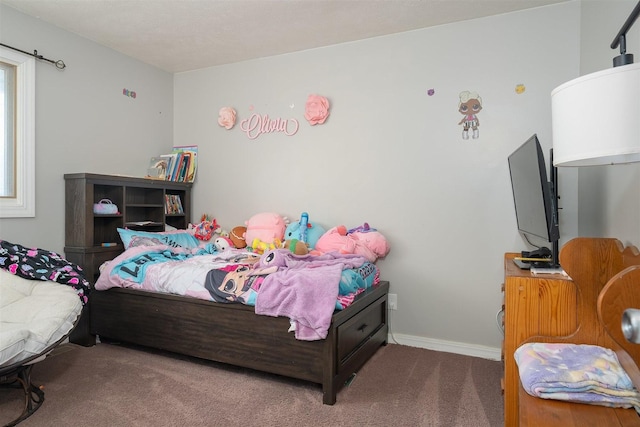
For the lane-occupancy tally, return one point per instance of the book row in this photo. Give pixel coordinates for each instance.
(179, 166)
(173, 204)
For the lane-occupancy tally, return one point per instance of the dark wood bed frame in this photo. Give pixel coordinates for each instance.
(234, 334)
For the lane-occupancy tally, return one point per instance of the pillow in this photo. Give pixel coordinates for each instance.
(180, 238)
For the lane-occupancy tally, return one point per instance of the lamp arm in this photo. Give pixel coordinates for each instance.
(620, 37)
(623, 44)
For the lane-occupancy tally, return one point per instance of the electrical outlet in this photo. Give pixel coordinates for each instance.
(392, 300)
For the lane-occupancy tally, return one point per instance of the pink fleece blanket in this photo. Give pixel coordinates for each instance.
(306, 292)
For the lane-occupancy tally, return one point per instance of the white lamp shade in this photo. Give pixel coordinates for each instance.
(596, 118)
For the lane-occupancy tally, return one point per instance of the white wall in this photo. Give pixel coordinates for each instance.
(83, 121)
(389, 154)
(609, 196)
(393, 156)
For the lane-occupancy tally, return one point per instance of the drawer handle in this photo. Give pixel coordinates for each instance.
(363, 327)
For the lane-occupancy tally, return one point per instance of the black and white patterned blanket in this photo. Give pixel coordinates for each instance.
(40, 264)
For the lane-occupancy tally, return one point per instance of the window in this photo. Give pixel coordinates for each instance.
(7, 110)
(17, 126)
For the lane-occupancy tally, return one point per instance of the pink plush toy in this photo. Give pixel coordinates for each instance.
(369, 244)
(374, 241)
(336, 239)
(266, 227)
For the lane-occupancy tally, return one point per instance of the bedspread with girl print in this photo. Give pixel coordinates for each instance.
(225, 277)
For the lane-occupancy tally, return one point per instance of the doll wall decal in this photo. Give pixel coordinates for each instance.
(469, 106)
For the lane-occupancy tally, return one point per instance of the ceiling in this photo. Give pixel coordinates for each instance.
(184, 35)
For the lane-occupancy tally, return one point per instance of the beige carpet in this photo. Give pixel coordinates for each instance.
(112, 385)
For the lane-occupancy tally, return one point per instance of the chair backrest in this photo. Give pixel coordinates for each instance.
(591, 263)
(620, 293)
(598, 265)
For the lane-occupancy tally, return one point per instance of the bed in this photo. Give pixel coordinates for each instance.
(195, 325)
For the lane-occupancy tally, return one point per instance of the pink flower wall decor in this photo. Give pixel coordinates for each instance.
(227, 117)
(316, 109)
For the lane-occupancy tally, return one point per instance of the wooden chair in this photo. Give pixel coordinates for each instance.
(607, 280)
(620, 293)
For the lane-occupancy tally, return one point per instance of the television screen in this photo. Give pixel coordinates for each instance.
(533, 195)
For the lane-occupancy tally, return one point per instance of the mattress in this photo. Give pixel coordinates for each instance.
(34, 314)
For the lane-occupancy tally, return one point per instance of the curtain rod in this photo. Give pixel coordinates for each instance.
(59, 63)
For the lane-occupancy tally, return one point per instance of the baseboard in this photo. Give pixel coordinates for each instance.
(446, 346)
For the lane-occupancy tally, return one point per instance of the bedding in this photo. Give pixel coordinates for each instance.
(307, 289)
(303, 288)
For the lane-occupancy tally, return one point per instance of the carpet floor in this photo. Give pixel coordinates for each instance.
(117, 385)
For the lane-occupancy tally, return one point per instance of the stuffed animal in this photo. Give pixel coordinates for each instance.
(296, 246)
(237, 237)
(259, 247)
(370, 244)
(272, 260)
(205, 229)
(305, 231)
(336, 239)
(374, 241)
(266, 227)
(275, 259)
(222, 243)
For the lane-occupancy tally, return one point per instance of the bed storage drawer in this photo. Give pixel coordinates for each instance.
(356, 331)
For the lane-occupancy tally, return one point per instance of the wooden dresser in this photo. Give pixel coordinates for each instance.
(586, 309)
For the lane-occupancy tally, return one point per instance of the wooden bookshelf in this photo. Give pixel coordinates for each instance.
(91, 239)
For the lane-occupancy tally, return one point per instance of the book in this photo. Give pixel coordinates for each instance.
(170, 159)
(152, 226)
(179, 166)
(173, 204)
(546, 270)
(157, 168)
(184, 165)
(191, 172)
(142, 223)
(176, 166)
(190, 153)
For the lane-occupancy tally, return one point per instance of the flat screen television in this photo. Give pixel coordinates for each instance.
(535, 200)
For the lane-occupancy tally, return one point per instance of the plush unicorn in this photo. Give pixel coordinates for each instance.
(304, 231)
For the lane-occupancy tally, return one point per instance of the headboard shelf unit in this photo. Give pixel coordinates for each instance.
(91, 239)
(144, 205)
